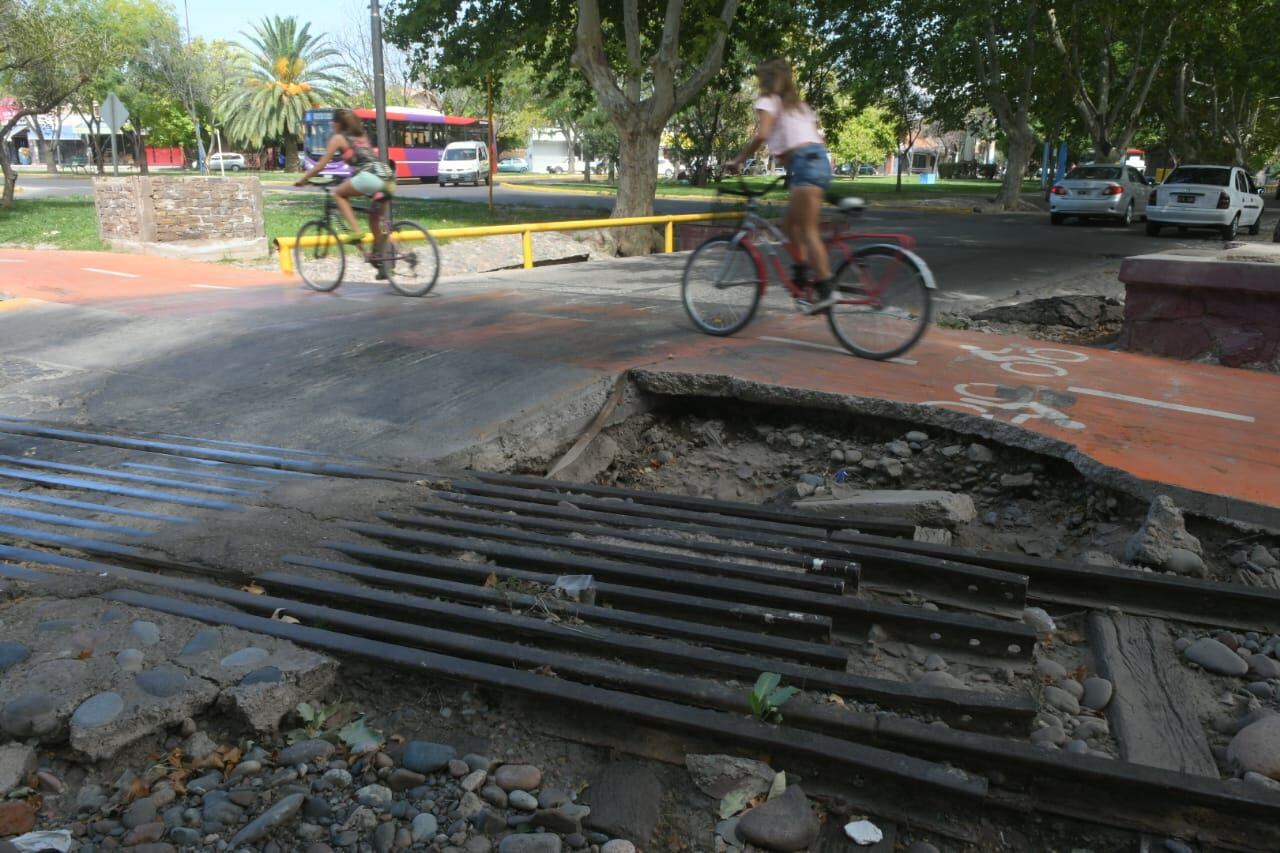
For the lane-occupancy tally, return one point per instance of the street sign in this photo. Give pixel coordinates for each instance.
(114, 115)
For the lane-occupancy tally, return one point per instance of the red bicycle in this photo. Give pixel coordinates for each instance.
(884, 289)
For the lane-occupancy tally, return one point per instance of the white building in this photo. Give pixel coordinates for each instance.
(548, 149)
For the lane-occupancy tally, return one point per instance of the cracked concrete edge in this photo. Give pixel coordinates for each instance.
(670, 384)
(540, 435)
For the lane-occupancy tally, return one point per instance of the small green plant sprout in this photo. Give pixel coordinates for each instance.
(339, 723)
(767, 698)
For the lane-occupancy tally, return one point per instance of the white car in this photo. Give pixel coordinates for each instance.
(665, 169)
(225, 160)
(1205, 197)
(1112, 190)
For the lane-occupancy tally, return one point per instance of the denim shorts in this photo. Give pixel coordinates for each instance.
(809, 166)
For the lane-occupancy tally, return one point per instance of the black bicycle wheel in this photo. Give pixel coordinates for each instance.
(721, 286)
(318, 256)
(884, 301)
(411, 259)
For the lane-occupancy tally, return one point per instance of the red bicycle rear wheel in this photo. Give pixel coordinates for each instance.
(885, 301)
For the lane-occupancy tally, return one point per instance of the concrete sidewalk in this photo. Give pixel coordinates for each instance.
(251, 356)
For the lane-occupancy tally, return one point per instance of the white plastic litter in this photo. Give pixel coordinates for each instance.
(579, 588)
(863, 832)
(34, 842)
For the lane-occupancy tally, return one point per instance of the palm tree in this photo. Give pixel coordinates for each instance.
(290, 71)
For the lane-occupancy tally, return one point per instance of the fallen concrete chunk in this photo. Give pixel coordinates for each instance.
(932, 535)
(926, 508)
(1163, 531)
(17, 762)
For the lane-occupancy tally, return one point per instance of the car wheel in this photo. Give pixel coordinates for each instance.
(1056, 218)
(1127, 219)
(1153, 228)
(1256, 227)
(1230, 231)
(236, 168)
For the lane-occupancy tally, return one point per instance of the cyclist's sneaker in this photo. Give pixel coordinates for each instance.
(826, 297)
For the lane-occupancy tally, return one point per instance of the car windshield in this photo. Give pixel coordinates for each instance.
(1094, 173)
(1209, 176)
(460, 154)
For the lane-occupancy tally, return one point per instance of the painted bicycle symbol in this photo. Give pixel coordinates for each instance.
(1040, 362)
(988, 401)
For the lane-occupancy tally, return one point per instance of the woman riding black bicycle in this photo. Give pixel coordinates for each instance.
(370, 176)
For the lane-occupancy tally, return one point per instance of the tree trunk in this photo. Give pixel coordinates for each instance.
(42, 147)
(1018, 154)
(290, 153)
(898, 187)
(637, 183)
(10, 181)
(140, 153)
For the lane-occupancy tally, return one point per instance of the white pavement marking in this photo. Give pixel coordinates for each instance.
(213, 286)
(1161, 404)
(111, 272)
(11, 261)
(811, 345)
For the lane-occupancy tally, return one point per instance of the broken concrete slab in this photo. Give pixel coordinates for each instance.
(83, 680)
(926, 508)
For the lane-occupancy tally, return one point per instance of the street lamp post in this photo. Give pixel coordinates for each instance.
(195, 114)
(379, 83)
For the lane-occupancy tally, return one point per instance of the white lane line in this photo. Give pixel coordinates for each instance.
(111, 272)
(811, 345)
(213, 286)
(11, 261)
(1161, 404)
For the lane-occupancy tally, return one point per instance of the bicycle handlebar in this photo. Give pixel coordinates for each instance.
(745, 191)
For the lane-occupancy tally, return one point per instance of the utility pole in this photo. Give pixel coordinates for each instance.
(492, 143)
(195, 116)
(379, 83)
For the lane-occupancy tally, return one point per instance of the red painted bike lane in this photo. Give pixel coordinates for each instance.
(1206, 430)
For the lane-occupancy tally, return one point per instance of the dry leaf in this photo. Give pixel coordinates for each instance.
(837, 699)
(252, 588)
(138, 789)
(491, 581)
(396, 739)
(280, 616)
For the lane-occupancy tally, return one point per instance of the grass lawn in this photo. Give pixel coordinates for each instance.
(67, 223)
(71, 223)
(881, 188)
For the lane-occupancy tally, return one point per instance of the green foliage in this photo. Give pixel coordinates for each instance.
(864, 137)
(290, 71)
(335, 723)
(767, 698)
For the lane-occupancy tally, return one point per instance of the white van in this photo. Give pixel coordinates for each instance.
(464, 162)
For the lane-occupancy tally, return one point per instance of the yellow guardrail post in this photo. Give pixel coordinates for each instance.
(526, 230)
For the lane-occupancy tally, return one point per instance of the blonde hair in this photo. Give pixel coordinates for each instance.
(776, 79)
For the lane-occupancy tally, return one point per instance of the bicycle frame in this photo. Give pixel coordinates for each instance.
(778, 245)
(332, 214)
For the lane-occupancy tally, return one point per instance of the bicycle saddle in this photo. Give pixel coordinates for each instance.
(849, 204)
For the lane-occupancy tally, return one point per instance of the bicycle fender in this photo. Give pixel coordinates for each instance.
(925, 272)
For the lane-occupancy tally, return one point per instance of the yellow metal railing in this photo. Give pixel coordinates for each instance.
(526, 230)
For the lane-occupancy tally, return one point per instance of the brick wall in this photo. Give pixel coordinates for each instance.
(164, 209)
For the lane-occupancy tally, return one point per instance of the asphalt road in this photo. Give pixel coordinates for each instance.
(976, 258)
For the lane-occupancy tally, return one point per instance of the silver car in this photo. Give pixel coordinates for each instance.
(1115, 191)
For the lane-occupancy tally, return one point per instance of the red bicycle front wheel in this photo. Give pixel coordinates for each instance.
(884, 301)
(721, 286)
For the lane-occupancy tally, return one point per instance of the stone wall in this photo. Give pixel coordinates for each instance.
(1223, 309)
(166, 209)
(119, 208)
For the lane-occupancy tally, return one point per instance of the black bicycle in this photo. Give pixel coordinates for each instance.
(406, 255)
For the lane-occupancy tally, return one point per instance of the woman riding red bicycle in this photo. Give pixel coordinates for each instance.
(790, 128)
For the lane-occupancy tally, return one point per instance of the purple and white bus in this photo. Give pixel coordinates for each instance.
(416, 138)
